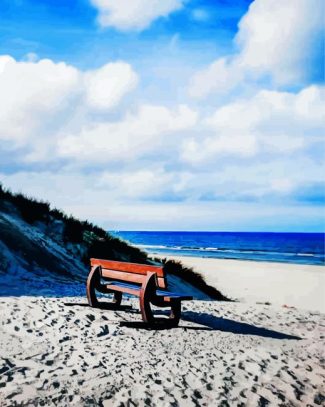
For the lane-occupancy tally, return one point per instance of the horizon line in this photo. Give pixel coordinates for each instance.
(211, 231)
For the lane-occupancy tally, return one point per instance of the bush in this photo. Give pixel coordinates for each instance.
(57, 214)
(30, 209)
(73, 231)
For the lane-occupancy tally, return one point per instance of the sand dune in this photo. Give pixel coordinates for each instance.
(56, 352)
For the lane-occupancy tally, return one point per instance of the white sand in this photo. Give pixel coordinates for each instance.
(301, 286)
(223, 354)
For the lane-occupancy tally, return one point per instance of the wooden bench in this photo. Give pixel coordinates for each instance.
(147, 282)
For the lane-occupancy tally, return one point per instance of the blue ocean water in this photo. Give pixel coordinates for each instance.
(301, 248)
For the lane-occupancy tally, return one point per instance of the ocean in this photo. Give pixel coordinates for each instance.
(300, 248)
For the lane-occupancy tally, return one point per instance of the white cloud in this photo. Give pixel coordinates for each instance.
(283, 42)
(135, 14)
(106, 86)
(151, 152)
(32, 94)
(39, 98)
(270, 122)
(280, 40)
(219, 77)
(137, 133)
(141, 183)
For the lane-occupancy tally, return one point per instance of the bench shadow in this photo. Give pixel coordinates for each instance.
(160, 325)
(210, 323)
(229, 325)
(103, 305)
(207, 322)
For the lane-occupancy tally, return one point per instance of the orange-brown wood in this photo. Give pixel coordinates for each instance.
(93, 285)
(129, 277)
(147, 292)
(149, 279)
(183, 298)
(121, 275)
(128, 267)
(122, 289)
(93, 281)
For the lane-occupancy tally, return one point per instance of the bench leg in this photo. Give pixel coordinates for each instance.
(175, 312)
(174, 315)
(93, 282)
(147, 291)
(147, 296)
(117, 298)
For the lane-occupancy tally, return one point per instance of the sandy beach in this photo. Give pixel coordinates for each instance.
(294, 285)
(58, 351)
(265, 349)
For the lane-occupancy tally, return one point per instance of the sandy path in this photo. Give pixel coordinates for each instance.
(223, 354)
(302, 286)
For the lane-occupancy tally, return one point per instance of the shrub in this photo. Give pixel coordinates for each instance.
(30, 209)
(57, 214)
(73, 231)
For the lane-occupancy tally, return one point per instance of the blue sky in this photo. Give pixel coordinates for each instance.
(67, 30)
(166, 115)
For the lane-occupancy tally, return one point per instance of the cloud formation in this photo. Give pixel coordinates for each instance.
(282, 44)
(270, 122)
(128, 139)
(32, 94)
(105, 87)
(135, 15)
(41, 99)
(106, 144)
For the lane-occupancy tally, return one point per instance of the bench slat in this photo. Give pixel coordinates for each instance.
(130, 277)
(126, 290)
(117, 285)
(128, 267)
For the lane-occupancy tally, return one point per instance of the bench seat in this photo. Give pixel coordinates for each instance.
(160, 293)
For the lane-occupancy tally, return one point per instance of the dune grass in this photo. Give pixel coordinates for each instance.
(98, 242)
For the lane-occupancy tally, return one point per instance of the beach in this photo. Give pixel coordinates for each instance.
(265, 348)
(295, 285)
(58, 351)
(162, 217)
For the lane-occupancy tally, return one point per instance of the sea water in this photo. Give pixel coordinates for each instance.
(301, 248)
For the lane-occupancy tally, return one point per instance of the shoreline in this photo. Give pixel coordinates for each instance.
(292, 285)
(170, 254)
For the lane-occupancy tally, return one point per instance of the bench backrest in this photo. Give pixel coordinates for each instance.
(131, 272)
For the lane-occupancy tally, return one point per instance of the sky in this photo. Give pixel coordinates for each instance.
(166, 114)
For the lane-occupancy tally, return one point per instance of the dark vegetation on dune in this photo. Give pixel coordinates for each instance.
(95, 241)
(99, 243)
(189, 275)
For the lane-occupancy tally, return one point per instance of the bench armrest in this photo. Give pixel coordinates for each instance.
(149, 286)
(147, 292)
